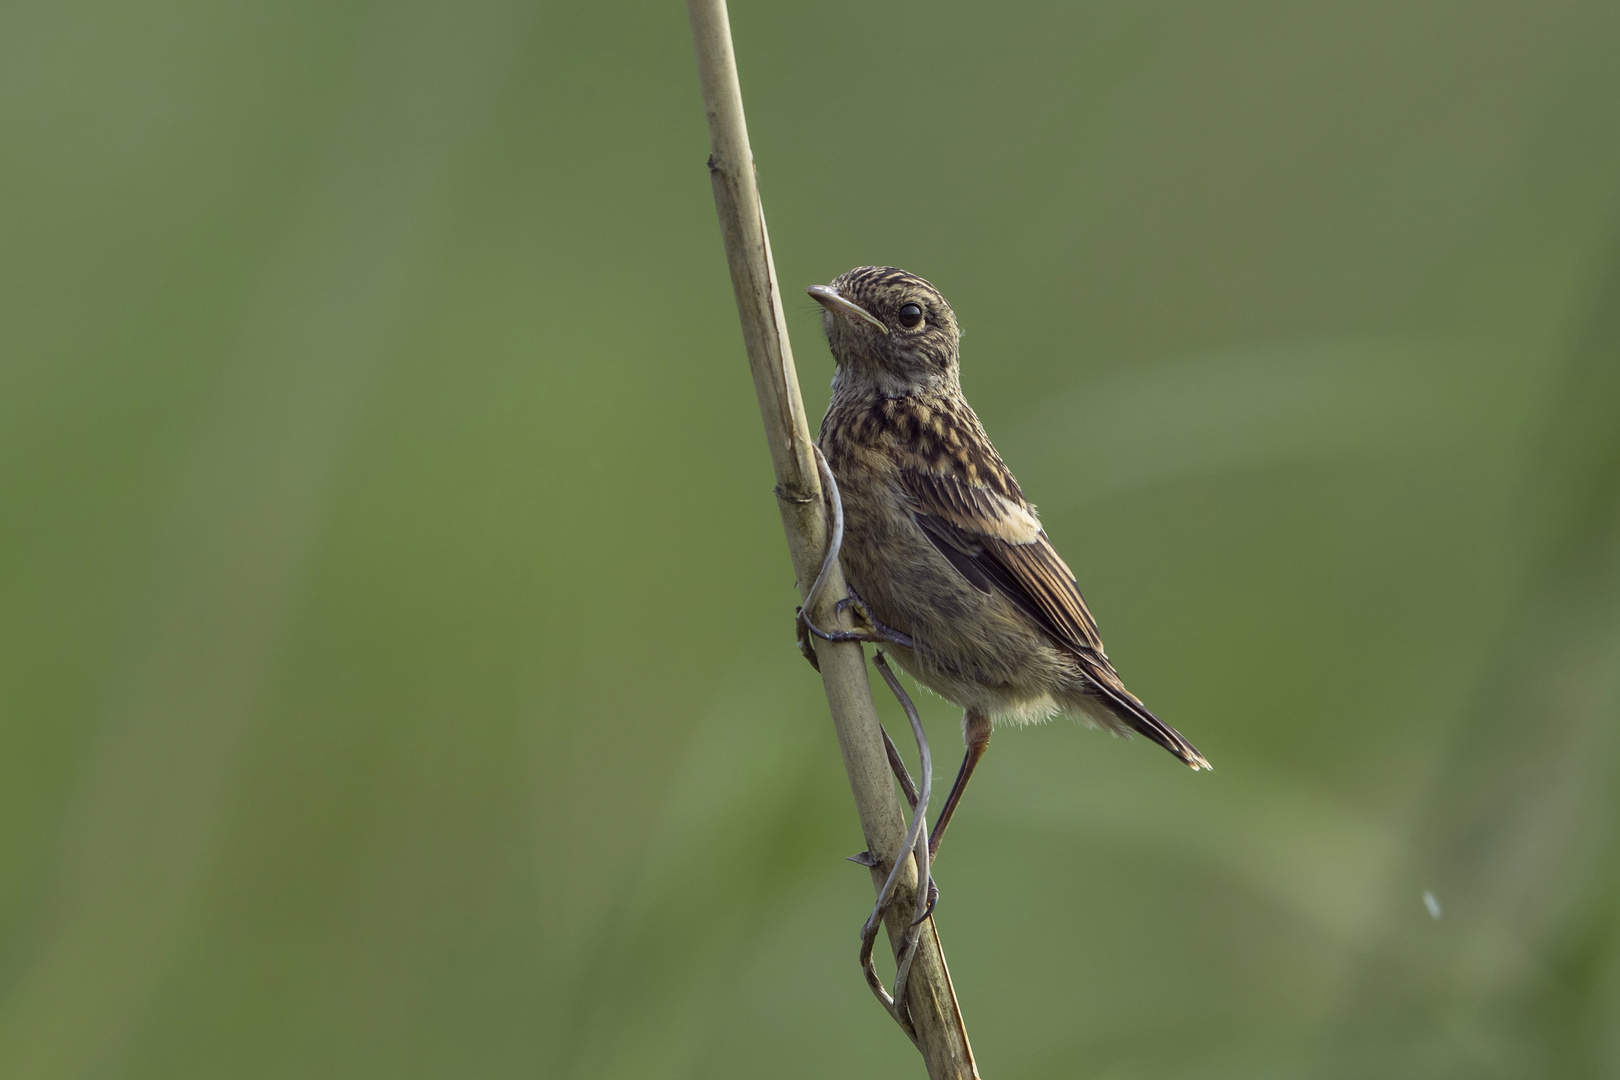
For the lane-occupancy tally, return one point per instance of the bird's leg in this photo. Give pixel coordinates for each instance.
(914, 847)
(908, 788)
(976, 733)
(897, 765)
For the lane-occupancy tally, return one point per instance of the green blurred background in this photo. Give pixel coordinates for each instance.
(397, 674)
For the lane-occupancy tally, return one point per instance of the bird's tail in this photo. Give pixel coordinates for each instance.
(1124, 706)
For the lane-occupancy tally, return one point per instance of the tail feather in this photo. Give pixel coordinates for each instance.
(1124, 705)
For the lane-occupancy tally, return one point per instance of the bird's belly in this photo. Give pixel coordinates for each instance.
(973, 648)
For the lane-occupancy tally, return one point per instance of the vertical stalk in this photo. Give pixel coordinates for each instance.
(929, 998)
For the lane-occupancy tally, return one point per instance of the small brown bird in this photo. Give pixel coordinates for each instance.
(940, 542)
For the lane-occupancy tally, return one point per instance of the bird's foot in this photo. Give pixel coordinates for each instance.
(879, 632)
(874, 632)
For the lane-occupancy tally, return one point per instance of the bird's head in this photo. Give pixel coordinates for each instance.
(890, 331)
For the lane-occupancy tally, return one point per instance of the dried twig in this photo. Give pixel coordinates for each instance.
(924, 982)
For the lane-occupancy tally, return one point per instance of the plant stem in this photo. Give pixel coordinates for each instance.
(929, 998)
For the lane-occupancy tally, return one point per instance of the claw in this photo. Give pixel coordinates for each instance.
(853, 600)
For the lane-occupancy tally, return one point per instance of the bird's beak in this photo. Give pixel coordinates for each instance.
(828, 297)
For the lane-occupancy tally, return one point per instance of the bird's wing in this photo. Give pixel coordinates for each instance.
(997, 543)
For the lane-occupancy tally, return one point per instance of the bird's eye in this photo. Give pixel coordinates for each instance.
(911, 316)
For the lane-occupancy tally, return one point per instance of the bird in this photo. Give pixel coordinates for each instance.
(941, 544)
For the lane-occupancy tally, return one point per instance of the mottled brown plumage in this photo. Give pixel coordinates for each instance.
(940, 541)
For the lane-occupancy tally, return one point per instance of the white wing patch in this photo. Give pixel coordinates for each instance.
(1011, 522)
